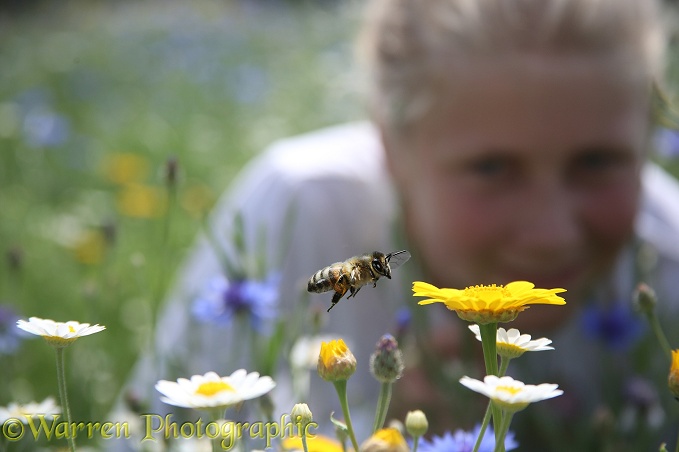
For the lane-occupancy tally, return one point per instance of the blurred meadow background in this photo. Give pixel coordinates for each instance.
(120, 125)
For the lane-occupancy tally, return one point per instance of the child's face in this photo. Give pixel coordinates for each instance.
(531, 173)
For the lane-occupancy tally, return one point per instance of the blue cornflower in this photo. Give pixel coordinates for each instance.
(10, 335)
(617, 325)
(461, 441)
(222, 299)
(667, 142)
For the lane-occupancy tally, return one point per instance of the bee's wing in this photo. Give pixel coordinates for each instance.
(398, 258)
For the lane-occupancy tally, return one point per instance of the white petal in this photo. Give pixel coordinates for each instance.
(476, 330)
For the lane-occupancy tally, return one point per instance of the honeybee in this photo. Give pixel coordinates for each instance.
(354, 273)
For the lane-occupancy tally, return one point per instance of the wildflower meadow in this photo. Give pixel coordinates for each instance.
(121, 123)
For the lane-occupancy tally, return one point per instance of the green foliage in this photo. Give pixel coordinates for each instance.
(95, 98)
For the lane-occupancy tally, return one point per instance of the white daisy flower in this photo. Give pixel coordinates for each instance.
(58, 334)
(512, 344)
(47, 407)
(509, 394)
(211, 390)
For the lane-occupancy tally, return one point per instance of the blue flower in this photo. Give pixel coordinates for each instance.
(461, 441)
(667, 142)
(10, 335)
(617, 326)
(221, 300)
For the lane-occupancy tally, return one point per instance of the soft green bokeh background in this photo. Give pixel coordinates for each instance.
(208, 83)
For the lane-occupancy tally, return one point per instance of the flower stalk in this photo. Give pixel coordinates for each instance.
(382, 406)
(341, 388)
(504, 428)
(489, 344)
(63, 395)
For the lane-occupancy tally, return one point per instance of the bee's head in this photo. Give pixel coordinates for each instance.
(380, 264)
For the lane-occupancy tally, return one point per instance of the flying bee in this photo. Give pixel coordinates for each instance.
(354, 273)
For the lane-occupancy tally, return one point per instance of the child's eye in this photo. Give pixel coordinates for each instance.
(594, 165)
(491, 168)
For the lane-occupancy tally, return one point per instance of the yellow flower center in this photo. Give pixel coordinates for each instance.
(510, 389)
(479, 291)
(211, 388)
(71, 329)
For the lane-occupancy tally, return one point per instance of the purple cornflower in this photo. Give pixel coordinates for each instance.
(10, 335)
(617, 326)
(461, 441)
(222, 299)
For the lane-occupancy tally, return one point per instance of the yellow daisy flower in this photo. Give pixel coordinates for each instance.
(385, 440)
(673, 378)
(315, 443)
(488, 304)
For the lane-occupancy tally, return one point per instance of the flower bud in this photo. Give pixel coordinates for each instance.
(386, 363)
(171, 170)
(645, 298)
(335, 362)
(416, 423)
(301, 414)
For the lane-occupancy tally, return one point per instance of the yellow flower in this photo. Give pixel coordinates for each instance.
(141, 201)
(335, 361)
(488, 304)
(673, 378)
(90, 248)
(315, 443)
(125, 167)
(385, 440)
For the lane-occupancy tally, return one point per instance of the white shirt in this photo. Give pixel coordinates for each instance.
(332, 184)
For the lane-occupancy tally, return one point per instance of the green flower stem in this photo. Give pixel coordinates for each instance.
(659, 334)
(504, 428)
(63, 395)
(489, 344)
(341, 388)
(504, 364)
(416, 440)
(304, 445)
(382, 406)
(484, 425)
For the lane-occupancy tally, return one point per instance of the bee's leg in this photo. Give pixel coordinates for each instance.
(337, 297)
(353, 291)
(373, 278)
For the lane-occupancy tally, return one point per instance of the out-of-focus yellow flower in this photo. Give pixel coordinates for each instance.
(335, 361)
(197, 200)
(488, 304)
(91, 247)
(385, 440)
(125, 167)
(673, 378)
(315, 443)
(141, 201)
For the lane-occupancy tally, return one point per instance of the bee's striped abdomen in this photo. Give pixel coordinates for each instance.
(324, 280)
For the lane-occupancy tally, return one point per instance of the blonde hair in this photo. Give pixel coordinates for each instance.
(410, 47)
